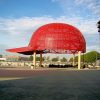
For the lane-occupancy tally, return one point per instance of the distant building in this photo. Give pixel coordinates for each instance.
(12, 58)
(24, 59)
(2, 59)
(16, 58)
(98, 63)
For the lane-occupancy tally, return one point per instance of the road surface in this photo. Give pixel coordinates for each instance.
(50, 84)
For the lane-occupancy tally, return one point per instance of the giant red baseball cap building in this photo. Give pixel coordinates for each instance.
(54, 38)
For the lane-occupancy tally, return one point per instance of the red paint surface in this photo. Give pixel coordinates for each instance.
(54, 38)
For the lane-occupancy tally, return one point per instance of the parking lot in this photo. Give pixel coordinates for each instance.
(50, 84)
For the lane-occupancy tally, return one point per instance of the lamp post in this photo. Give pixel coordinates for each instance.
(98, 26)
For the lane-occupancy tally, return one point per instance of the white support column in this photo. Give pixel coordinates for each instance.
(34, 60)
(40, 59)
(79, 60)
(73, 59)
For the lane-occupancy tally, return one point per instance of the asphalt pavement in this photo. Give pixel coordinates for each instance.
(51, 85)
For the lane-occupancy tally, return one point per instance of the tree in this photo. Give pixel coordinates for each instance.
(55, 59)
(89, 57)
(48, 58)
(63, 59)
(75, 59)
(31, 58)
(37, 58)
(0, 56)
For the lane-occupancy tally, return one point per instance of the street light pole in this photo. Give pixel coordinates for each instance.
(98, 26)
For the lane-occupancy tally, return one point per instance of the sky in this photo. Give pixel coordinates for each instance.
(20, 18)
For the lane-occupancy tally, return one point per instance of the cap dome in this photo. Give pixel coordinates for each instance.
(58, 37)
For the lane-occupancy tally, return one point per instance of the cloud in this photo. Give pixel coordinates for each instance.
(93, 5)
(16, 26)
(21, 25)
(29, 24)
(91, 8)
(93, 48)
(2, 49)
